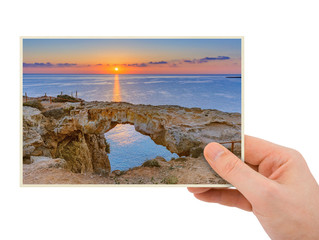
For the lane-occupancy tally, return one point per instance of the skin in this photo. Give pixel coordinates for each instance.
(274, 183)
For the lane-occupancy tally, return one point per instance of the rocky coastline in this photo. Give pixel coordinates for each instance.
(64, 143)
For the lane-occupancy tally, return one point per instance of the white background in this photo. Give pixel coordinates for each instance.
(281, 105)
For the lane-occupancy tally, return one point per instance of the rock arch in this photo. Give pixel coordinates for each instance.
(78, 134)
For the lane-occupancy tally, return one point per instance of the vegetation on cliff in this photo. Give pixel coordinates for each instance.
(35, 104)
(170, 180)
(65, 98)
(151, 163)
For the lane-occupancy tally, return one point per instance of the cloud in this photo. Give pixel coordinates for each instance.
(172, 63)
(160, 62)
(66, 64)
(137, 65)
(48, 64)
(206, 59)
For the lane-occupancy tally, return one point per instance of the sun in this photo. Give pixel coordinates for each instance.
(116, 69)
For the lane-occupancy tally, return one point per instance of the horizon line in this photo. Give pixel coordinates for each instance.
(134, 73)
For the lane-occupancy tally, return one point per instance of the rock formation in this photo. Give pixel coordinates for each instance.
(75, 132)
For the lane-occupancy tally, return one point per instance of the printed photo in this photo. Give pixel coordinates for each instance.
(128, 111)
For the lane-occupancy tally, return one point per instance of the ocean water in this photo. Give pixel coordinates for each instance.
(204, 91)
(128, 147)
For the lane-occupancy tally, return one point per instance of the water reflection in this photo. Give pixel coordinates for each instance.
(124, 134)
(117, 90)
(129, 148)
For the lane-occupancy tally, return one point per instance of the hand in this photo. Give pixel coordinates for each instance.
(274, 183)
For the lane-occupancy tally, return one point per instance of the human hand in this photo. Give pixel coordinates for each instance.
(274, 183)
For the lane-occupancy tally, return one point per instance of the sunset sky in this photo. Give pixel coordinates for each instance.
(132, 56)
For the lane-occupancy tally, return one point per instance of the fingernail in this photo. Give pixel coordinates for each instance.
(213, 151)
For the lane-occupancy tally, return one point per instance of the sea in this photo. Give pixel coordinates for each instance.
(129, 148)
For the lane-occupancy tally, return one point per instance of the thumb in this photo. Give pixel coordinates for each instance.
(233, 170)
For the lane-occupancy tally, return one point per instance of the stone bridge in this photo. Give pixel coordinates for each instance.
(76, 132)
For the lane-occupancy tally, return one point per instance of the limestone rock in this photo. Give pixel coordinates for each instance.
(182, 130)
(36, 159)
(33, 129)
(75, 132)
(43, 162)
(97, 147)
(75, 151)
(116, 173)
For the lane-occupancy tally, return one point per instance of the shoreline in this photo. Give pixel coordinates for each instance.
(46, 98)
(62, 129)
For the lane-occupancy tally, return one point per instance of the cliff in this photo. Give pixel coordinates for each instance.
(75, 132)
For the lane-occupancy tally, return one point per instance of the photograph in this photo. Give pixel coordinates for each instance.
(130, 111)
(159, 120)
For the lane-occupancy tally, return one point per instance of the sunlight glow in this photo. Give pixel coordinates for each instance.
(116, 69)
(117, 90)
